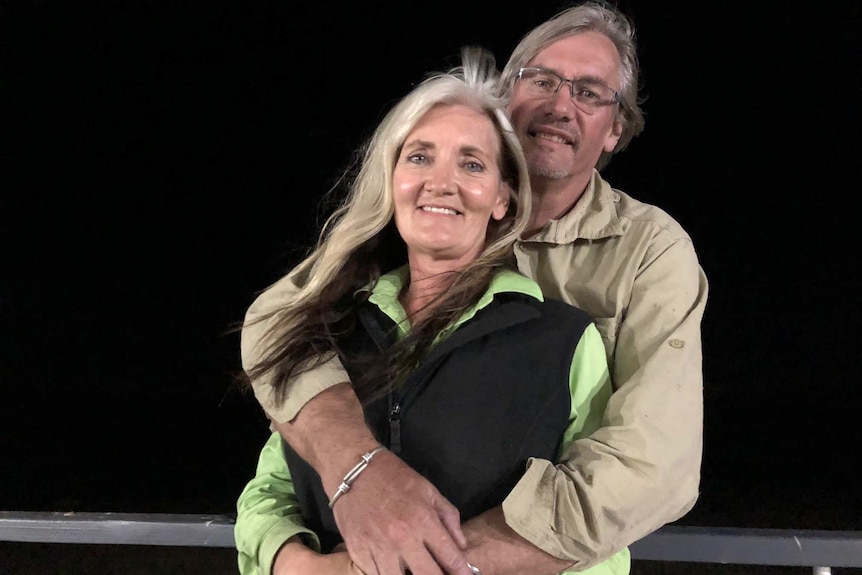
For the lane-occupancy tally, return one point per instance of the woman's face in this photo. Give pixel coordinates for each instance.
(447, 185)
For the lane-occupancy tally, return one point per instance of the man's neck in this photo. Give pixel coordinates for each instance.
(552, 199)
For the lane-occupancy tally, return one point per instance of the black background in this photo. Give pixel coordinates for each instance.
(164, 162)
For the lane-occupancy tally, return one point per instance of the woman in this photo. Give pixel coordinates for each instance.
(463, 370)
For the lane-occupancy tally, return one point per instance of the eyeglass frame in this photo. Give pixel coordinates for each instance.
(614, 100)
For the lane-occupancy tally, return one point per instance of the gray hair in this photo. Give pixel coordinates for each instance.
(596, 16)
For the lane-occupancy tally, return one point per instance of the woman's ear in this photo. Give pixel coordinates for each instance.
(504, 193)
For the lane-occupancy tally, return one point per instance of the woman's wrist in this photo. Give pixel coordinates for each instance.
(294, 558)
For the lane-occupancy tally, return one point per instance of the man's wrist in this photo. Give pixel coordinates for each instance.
(329, 432)
(351, 476)
(342, 460)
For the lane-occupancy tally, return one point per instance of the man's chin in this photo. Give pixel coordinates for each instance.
(550, 170)
(550, 160)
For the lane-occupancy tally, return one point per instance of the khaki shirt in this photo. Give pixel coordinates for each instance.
(634, 269)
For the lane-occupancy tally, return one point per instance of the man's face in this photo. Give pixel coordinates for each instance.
(559, 139)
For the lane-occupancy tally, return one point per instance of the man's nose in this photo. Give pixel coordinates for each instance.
(568, 90)
(562, 103)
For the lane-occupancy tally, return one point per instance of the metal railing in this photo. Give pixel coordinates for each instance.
(821, 550)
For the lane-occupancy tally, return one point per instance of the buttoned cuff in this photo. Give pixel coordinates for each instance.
(529, 508)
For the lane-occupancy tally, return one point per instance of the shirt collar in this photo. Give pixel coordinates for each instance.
(384, 294)
(594, 216)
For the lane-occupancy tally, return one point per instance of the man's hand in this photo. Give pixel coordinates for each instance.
(393, 518)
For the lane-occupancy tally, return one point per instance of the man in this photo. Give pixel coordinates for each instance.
(572, 88)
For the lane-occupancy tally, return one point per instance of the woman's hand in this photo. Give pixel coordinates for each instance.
(297, 559)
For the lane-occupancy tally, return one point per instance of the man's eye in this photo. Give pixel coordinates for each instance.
(585, 93)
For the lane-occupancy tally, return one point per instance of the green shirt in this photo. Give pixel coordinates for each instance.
(268, 510)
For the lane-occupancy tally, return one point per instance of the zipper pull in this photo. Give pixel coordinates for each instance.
(395, 428)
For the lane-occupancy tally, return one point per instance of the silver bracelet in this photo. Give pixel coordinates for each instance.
(353, 474)
(474, 569)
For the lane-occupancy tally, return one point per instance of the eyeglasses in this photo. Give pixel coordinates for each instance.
(588, 94)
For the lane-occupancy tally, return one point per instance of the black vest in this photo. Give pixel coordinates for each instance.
(488, 397)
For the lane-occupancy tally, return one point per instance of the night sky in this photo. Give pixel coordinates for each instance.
(164, 161)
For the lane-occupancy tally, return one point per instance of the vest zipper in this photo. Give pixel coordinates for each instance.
(395, 428)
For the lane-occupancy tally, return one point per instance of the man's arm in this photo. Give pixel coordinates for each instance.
(269, 524)
(253, 344)
(392, 516)
(498, 549)
(641, 468)
(323, 422)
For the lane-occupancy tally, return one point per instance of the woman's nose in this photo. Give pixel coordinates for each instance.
(440, 181)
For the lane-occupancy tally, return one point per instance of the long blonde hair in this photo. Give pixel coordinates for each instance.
(358, 242)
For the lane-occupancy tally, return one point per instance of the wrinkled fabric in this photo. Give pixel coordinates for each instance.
(635, 270)
(573, 393)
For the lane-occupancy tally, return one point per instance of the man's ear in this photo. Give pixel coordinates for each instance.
(614, 136)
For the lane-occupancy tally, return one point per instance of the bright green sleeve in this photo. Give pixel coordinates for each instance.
(268, 513)
(589, 386)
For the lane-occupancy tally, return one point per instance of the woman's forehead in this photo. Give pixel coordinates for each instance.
(445, 123)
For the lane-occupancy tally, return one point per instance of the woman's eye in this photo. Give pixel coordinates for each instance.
(475, 167)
